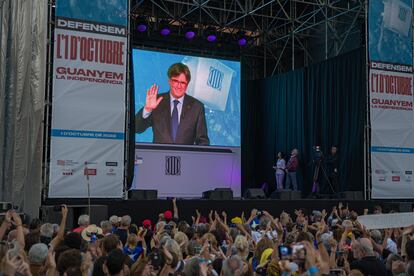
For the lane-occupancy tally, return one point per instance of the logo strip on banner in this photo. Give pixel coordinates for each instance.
(87, 134)
(391, 97)
(391, 149)
(88, 107)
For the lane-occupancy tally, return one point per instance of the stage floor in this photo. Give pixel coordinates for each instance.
(143, 209)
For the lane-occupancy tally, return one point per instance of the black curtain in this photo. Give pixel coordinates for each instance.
(323, 104)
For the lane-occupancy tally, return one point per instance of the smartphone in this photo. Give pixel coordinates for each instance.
(285, 252)
(298, 251)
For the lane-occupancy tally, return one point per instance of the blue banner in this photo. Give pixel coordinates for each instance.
(103, 11)
(390, 31)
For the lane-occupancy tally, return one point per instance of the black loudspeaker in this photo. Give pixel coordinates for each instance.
(405, 207)
(286, 195)
(352, 195)
(218, 194)
(255, 193)
(143, 194)
(52, 214)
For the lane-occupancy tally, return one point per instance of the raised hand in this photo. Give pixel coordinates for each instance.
(151, 100)
(216, 216)
(10, 264)
(24, 268)
(64, 210)
(8, 217)
(253, 213)
(17, 221)
(324, 214)
(50, 259)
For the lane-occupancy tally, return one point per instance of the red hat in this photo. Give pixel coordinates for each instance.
(147, 223)
(168, 215)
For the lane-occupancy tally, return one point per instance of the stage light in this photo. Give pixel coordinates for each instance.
(165, 31)
(165, 28)
(211, 37)
(210, 34)
(241, 39)
(142, 25)
(190, 34)
(189, 31)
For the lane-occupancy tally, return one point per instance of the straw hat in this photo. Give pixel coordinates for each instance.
(89, 231)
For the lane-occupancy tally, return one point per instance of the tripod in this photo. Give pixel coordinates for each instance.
(318, 167)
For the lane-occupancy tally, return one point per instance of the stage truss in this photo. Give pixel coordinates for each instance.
(284, 34)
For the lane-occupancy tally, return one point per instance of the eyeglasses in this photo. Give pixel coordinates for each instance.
(178, 83)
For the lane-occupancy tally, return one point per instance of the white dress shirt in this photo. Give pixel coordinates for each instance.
(146, 114)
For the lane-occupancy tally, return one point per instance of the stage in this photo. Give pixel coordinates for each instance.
(143, 209)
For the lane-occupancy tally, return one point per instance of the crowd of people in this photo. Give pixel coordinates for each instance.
(326, 242)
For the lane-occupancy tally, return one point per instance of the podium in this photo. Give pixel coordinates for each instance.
(186, 171)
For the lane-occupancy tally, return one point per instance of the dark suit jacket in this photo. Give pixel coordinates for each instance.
(191, 130)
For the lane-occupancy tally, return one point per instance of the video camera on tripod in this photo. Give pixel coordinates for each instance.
(318, 161)
(317, 154)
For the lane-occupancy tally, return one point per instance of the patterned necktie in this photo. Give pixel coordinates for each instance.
(174, 120)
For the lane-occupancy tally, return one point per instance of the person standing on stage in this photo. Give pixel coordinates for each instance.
(332, 163)
(280, 171)
(291, 168)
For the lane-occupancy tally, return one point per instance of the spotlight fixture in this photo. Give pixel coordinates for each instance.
(241, 39)
(190, 34)
(189, 31)
(211, 34)
(142, 25)
(165, 28)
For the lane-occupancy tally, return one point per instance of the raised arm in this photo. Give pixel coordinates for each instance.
(61, 234)
(175, 208)
(5, 224)
(17, 221)
(253, 214)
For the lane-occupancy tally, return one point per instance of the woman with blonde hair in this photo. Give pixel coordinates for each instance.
(182, 241)
(242, 247)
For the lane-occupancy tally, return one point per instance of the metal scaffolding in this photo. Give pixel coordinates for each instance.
(283, 34)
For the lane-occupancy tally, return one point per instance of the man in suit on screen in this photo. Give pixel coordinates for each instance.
(175, 117)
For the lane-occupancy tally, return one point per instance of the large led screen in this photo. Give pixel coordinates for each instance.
(201, 107)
